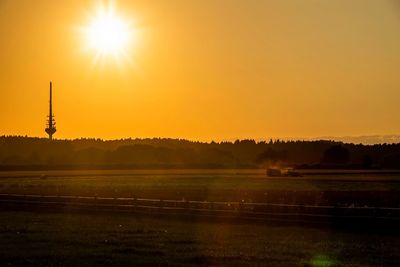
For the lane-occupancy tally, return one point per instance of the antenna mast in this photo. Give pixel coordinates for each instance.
(51, 123)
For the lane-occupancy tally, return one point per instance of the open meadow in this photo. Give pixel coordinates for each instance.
(330, 188)
(64, 236)
(113, 239)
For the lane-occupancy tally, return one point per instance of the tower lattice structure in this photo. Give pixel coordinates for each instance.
(51, 123)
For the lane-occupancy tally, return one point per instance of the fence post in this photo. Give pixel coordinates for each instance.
(135, 202)
(241, 205)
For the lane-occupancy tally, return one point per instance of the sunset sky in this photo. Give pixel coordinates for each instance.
(203, 70)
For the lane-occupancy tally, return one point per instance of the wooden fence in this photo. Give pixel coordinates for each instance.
(205, 208)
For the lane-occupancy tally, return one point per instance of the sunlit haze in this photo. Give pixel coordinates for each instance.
(200, 70)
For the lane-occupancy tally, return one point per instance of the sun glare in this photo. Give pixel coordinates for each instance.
(109, 34)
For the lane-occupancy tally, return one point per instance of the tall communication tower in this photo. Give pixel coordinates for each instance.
(51, 123)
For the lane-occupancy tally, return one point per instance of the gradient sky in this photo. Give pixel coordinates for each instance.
(206, 69)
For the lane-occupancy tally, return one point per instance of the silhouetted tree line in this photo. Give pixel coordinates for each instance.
(18, 152)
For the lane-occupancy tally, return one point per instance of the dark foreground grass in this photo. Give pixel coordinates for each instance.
(72, 239)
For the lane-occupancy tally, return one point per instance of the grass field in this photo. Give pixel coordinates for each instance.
(116, 239)
(369, 189)
(55, 239)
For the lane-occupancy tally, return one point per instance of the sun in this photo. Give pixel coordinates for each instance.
(109, 34)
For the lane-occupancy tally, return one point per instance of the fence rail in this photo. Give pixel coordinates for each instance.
(236, 209)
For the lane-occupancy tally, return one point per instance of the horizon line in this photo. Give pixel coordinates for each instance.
(349, 139)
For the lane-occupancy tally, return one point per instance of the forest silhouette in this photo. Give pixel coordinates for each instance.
(17, 152)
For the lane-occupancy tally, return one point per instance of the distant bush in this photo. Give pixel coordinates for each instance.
(336, 154)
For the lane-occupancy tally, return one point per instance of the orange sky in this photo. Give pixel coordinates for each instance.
(203, 70)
